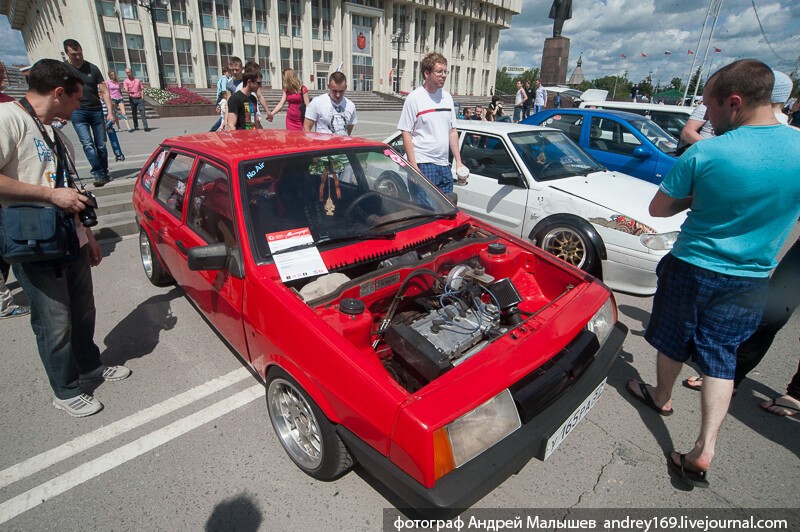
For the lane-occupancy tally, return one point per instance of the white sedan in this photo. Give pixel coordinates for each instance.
(537, 184)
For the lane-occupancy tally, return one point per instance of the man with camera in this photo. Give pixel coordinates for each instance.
(36, 168)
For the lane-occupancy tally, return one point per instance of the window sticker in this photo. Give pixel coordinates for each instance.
(256, 171)
(393, 156)
(304, 262)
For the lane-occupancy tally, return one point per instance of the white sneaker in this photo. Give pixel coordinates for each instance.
(105, 373)
(80, 406)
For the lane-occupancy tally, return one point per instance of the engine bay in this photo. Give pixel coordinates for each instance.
(426, 310)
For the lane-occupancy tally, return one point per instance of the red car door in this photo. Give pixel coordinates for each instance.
(210, 220)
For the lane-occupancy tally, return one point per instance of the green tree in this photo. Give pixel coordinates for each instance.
(646, 87)
(677, 84)
(695, 79)
(618, 87)
(503, 83)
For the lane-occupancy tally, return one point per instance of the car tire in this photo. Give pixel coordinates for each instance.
(305, 433)
(391, 184)
(570, 244)
(151, 262)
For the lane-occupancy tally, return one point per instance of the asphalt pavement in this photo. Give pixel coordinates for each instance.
(185, 443)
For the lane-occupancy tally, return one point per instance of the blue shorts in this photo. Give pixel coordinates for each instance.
(439, 175)
(704, 315)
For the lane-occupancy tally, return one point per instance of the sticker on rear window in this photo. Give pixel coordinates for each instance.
(393, 156)
(256, 171)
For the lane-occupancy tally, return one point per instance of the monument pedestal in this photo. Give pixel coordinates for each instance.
(554, 61)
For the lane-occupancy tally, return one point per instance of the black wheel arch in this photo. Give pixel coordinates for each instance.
(580, 223)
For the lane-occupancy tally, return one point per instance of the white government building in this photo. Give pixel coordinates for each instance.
(314, 37)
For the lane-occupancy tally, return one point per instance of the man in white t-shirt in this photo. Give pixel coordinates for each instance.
(34, 170)
(428, 125)
(332, 112)
(519, 102)
(540, 98)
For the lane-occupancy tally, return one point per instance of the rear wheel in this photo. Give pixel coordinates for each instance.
(571, 244)
(303, 430)
(153, 269)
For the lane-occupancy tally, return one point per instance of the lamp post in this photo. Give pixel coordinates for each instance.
(398, 38)
(150, 6)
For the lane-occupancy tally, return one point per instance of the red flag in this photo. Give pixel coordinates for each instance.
(690, 53)
(716, 50)
(623, 56)
(644, 54)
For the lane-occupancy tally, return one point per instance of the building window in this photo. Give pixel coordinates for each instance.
(106, 8)
(421, 31)
(292, 59)
(160, 13)
(128, 9)
(261, 17)
(416, 75)
(207, 13)
(211, 61)
(399, 20)
(473, 41)
(283, 17)
(438, 28)
(168, 60)
(295, 12)
(185, 71)
(249, 52)
(371, 3)
(321, 19)
(263, 62)
(223, 15)
(178, 8)
(136, 53)
(457, 38)
(454, 78)
(226, 52)
(115, 51)
(247, 15)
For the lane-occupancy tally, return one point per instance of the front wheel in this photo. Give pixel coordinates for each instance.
(303, 430)
(571, 244)
(155, 272)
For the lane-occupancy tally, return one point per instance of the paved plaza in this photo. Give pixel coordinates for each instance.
(185, 443)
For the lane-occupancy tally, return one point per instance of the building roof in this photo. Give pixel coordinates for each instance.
(577, 75)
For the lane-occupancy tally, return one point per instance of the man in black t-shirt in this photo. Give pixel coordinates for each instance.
(89, 121)
(243, 105)
(528, 104)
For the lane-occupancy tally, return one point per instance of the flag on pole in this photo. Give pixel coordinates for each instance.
(667, 52)
(623, 56)
(339, 68)
(690, 53)
(644, 54)
(391, 73)
(717, 50)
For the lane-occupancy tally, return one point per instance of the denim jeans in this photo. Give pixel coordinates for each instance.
(91, 129)
(216, 125)
(537, 108)
(62, 319)
(137, 106)
(517, 113)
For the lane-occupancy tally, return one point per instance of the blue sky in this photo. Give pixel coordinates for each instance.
(603, 30)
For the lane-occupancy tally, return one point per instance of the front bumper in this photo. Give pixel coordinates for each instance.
(466, 485)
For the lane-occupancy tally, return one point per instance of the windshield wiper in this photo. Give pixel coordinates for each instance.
(389, 235)
(439, 216)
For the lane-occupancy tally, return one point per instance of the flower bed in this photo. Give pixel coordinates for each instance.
(176, 96)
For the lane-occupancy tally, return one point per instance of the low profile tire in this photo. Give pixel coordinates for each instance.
(571, 244)
(303, 430)
(153, 269)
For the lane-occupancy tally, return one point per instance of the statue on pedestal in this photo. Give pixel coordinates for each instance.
(559, 12)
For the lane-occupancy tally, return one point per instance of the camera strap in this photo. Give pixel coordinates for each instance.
(65, 168)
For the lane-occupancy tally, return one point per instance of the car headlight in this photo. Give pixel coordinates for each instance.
(603, 321)
(659, 241)
(468, 436)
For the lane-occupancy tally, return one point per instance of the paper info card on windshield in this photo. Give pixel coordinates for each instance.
(303, 262)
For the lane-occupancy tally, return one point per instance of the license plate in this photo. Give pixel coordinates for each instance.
(572, 421)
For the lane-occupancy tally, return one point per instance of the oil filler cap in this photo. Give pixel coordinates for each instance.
(496, 248)
(352, 306)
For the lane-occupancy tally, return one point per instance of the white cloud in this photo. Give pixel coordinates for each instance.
(12, 48)
(603, 30)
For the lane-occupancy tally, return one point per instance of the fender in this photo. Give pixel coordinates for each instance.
(303, 380)
(582, 224)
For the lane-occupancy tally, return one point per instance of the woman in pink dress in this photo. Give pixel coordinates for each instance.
(296, 94)
(114, 91)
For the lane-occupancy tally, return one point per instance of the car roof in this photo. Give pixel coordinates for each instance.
(599, 112)
(234, 146)
(637, 105)
(498, 127)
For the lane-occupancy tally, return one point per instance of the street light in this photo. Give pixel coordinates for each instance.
(398, 38)
(151, 6)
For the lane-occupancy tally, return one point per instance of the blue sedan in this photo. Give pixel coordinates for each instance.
(620, 141)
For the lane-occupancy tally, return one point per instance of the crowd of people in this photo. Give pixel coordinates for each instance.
(718, 303)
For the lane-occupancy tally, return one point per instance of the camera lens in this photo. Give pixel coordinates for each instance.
(88, 217)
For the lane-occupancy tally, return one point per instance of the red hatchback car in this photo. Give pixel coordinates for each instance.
(390, 329)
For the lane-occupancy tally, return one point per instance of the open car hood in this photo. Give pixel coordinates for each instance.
(621, 193)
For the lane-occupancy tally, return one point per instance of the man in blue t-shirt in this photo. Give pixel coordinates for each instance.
(744, 197)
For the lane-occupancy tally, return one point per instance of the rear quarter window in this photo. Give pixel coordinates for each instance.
(171, 187)
(152, 171)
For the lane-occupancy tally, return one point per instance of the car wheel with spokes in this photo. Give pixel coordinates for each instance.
(304, 431)
(570, 244)
(155, 272)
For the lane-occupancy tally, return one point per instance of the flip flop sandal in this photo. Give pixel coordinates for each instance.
(696, 385)
(774, 402)
(648, 400)
(695, 479)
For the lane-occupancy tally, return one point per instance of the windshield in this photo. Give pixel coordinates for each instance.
(343, 195)
(662, 140)
(551, 155)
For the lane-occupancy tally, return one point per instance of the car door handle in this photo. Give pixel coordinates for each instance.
(181, 246)
(149, 215)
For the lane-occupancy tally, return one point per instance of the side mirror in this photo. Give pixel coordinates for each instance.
(212, 257)
(453, 197)
(641, 153)
(511, 178)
